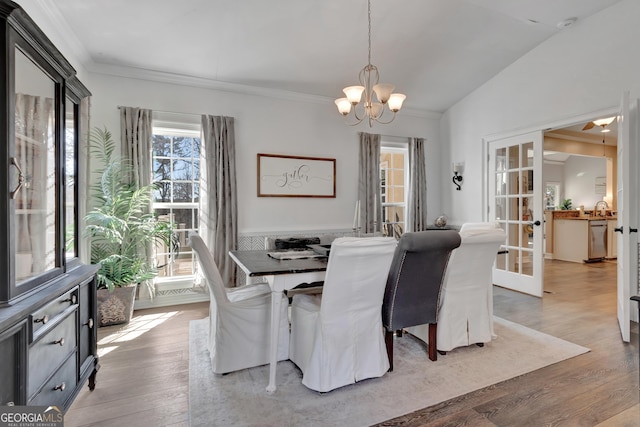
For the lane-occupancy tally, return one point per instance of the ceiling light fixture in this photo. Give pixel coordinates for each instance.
(604, 123)
(368, 109)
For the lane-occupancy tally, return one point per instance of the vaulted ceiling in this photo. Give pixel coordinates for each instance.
(434, 51)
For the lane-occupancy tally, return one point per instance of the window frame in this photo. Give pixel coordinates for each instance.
(171, 281)
(388, 146)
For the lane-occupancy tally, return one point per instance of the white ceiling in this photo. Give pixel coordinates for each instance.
(434, 51)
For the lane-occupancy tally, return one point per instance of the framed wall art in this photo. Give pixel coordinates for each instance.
(295, 176)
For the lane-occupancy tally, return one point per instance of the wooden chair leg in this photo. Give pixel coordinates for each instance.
(433, 354)
(388, 339)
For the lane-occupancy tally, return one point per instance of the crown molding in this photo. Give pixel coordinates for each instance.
(62, 27)
(205, 83)
(78, 50)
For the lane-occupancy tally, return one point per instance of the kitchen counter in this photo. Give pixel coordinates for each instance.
(571, 238)
(590, 218)
(567, 234)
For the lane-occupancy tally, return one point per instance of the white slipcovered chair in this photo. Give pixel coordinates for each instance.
(239, 319)
(337, 337)
(465, 316)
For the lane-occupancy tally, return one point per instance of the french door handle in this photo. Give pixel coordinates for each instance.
(536, 223)
(621, 230)
(14, 162)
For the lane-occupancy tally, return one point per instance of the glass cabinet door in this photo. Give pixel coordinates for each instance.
(34, 161)
(70, 174)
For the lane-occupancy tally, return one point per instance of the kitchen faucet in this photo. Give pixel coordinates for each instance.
(598, 204)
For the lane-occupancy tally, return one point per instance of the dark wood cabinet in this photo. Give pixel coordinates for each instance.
(48, 343)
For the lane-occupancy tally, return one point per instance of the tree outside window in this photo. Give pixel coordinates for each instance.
(176, 174)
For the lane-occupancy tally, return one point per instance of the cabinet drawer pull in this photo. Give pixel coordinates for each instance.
(60, 387)
(72, 299)
(44, 319)
(60, 341)
(89, 323)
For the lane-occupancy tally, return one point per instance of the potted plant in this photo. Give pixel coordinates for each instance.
(566, 205)
(122, 231)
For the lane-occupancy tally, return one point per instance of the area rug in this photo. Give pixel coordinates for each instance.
(240, 398)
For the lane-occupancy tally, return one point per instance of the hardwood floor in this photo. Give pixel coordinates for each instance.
(579, 305)
(144, 376)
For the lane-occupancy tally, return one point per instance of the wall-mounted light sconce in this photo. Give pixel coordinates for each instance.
(458, 168)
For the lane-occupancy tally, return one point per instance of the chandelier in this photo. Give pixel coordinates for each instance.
(360, 98)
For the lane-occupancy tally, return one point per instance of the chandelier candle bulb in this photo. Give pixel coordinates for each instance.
(353, 93)
(383, 91)
(344, 106)
(395, 101)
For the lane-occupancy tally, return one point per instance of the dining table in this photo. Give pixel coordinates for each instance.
(283, 270)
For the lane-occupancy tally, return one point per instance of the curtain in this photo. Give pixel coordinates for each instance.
(218, 201)
(417, 203)
(136, 140)
(135, 137)
(369, 183)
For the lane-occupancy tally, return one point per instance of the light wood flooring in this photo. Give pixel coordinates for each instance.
(144, 376)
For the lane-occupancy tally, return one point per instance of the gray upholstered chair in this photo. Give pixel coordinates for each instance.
(414, 284)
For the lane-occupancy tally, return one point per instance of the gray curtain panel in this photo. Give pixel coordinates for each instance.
(369, 183)
(135, 136)
(218, 200)
(84, 191)
(417, 203)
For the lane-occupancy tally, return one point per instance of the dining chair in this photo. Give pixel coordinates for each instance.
(239, 319)
(465, 315)
(413, 287)
(337, 337)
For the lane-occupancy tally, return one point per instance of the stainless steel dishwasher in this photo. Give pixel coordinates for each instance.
(597, 240)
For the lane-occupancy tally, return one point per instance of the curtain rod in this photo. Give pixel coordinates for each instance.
(167, 112)
(400, 137)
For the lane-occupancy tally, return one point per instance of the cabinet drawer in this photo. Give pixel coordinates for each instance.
(47, 314)
(60, 387)
(50, 351)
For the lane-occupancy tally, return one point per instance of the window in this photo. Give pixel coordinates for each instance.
(393, 188)
(176, 174)
(551, 195)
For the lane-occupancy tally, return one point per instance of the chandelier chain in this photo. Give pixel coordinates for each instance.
(369, 17)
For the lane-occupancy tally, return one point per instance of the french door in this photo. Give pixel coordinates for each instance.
(627, 211)
(515, 203)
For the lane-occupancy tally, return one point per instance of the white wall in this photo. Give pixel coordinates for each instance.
(581, 70)
(293, 126)
(580, 174)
